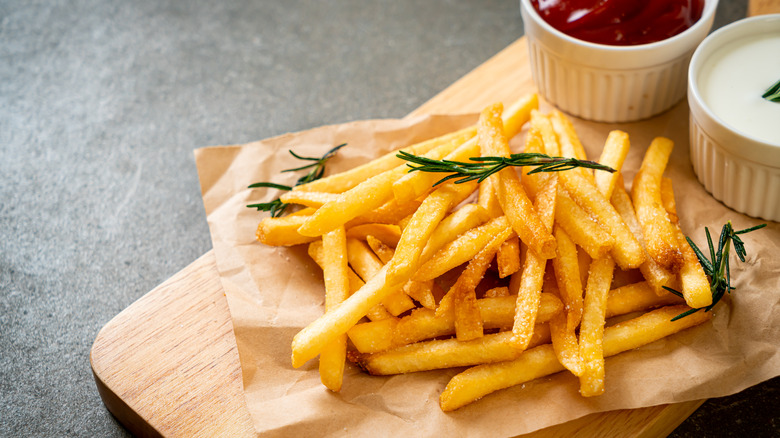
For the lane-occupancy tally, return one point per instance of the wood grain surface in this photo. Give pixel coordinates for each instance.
(168, 364)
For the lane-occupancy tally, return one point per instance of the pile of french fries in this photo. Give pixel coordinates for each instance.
(513, 277)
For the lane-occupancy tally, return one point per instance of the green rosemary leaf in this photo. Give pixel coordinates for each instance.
(717, 267)
(479, 168)
(772, 93)
(277, 207)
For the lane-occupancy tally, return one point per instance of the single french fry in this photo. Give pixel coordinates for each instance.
(437, 354)
(613, 155)
(528, 284)
(570, 144)
(366, 264)
(592, 326)
(462, 249)
(667, 198)
(335, 270)
(655, 274)
(659, 234)
(386, 233)
(415, 184)
(567, 136)
(423, 223)
(511, 195)
(567, 275)
(627, 252)
(374, 336)
(389, 213)
(348, 179)
(283, 231)
(636, 297)
(695, 284)
(564, 342)
(487, 198)
(508, 257)
(479, 381)
(309, 199)
(581, 228)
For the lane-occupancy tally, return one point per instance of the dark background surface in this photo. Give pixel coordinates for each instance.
(101, 106)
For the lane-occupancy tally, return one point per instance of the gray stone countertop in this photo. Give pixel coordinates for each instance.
(101, 105)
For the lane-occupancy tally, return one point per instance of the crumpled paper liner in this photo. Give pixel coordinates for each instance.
(274, 292)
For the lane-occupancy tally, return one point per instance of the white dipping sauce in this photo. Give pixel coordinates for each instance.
(733, 79)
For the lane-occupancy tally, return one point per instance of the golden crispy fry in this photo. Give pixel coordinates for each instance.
(476, 382)
(422, 292)
(335, 271)
(567, 136)
(627, 251)
(309, 199)
(389, 213)
(636, 297)
(437, 354)
(283, 231)
(348, 179)
(511, 195)
(658, 231)
(508, 257)
(374, 336)
(581, 228)
(694, 282)
(564, 342)
(382, 251)
(567, 275)
(613, 155)
(366, 264)
(570, 145)
(592, 327)
(667, 198)
(422, 224)
(386, 233)
(462, 249)
(488, 199)
(529, 284)
(655, 274)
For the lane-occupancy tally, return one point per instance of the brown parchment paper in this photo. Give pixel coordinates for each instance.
(274, 292)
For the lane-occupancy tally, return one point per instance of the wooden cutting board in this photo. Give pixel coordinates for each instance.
(168, 364)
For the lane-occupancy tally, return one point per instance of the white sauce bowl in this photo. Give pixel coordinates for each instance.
(611, 83)
(737, 158)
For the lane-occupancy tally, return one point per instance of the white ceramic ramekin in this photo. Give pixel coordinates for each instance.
(611, 83)
(740, 170)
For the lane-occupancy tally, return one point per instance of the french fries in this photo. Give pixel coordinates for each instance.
(511, 275)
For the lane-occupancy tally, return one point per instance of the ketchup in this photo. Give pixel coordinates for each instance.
(620, 22)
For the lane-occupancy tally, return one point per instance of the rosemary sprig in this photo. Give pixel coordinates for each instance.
(479, 168)
(717, 266)
(277, 207)
(772, 93)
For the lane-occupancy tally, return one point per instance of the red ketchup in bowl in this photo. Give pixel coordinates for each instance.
(620, 22)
